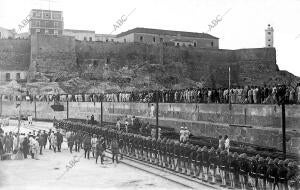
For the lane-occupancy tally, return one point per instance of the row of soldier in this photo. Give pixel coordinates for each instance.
(204, 163)
(238, 95)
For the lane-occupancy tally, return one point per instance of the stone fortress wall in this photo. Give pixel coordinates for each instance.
(52, 55)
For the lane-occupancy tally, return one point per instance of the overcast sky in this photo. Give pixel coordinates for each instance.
(242, 26)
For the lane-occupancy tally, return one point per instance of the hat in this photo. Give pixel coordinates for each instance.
(181, 127)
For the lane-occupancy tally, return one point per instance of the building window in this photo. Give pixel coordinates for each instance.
(55, 24)
(112, 40)
(55, 32)
(91, 39)
(7, 76)
(161, 39)
(195, 44)
(37, 30)
(212, 44)
(269, 33)
(37, 23)
(153, 39)
(269, 45)
(46, 31)
(56, 16)
(141, 38)
(46, 15)
(106, 40)
(124, 40)
(18, 76)
(177, 44)
(84, 38)
(38, 14)
(269, 40)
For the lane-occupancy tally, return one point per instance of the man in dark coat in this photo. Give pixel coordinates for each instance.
(115, 150)
(87, 145)
(45, 137)
(25, 147)
(100, 148)
(41, 142)
(71, 142)
(59, 140)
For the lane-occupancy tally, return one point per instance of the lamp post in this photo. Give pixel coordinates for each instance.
(156, 135)
(283, 129)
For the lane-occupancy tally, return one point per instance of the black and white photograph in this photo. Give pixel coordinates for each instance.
(150, 94)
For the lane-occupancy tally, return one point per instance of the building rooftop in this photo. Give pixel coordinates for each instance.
(46, 10)
(79, 31)
(167, 32)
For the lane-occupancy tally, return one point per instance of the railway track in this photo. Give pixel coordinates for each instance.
(169, 175)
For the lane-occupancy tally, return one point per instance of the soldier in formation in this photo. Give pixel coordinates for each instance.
(203, 163)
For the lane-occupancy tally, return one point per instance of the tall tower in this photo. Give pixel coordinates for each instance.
(269, 36)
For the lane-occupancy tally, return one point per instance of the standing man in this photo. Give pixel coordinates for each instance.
(45, 137)
(49, 138)
(40, 140)
(186, 134)
(181, 134)
(94, 143)
(59, 140)
(25, 147)
(68, 134)
(87, 146)
(221, 143)
(71, 142)
(100, 148)
(115, 150)
(227, 143)
(53, 141)
(29, 120)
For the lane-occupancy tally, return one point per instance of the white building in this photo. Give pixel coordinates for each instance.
(9, 75)
(82, 35)
(24, 35)
(106, 38)
(6, 33)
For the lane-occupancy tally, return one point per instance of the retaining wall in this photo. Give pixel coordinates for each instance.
(263, 122)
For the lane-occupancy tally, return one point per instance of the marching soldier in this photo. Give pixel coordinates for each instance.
(244, 170)
(199, 163)
(205, 160)
(176, 156)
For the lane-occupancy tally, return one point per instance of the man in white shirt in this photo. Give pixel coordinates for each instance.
(152, 108)
(227, 143)
(94, 143)
(29, 119)
(181, 134)
(186, 134)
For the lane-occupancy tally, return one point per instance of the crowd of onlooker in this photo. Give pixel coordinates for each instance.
(31, 143)
(237, 95)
